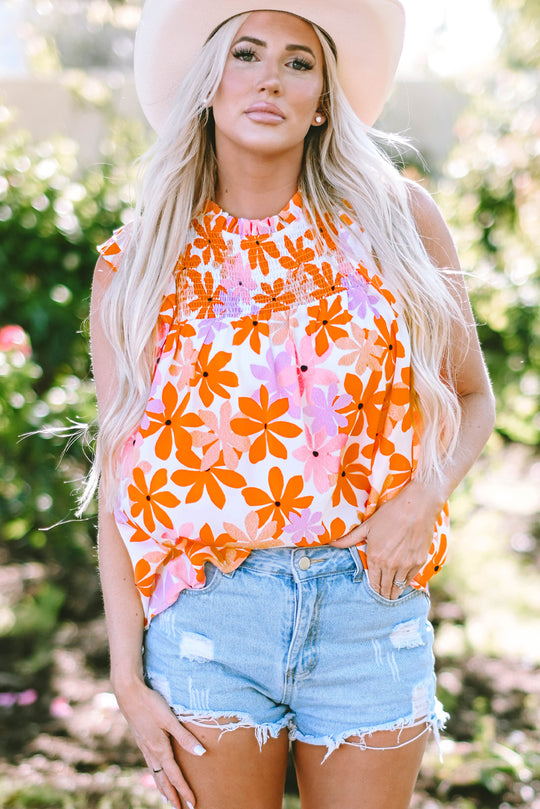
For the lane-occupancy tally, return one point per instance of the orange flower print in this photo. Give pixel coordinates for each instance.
(273, 299)
(263, 419)
(250, 326)
(170, 422)
(150, 500)
(199, 477)
(400, 410)
(392, 347)
(167, 310)
(327, 232)
(326, 324)
(353, 479)
(205, 297)
(187, 261)
(399, 474)
(209, 238)
(360, 409)
(220, 437)
(326, 282)
(436, 559)
(144, 577)
(297, 254)
(258, 247)
(281, 500)
(211, 376)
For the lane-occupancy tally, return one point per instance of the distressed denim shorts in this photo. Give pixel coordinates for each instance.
(297, 639)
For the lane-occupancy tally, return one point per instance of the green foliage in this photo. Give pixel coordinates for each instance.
(51, 218)
(521, 31)
(491, 196)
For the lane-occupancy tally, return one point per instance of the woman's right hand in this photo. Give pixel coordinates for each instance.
(152, 723)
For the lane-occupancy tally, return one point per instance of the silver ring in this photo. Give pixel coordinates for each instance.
(401, 585)
(159, 769)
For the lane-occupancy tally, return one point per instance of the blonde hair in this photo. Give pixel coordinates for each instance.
(342, 161)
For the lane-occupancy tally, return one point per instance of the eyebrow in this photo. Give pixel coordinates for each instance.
(262, 44)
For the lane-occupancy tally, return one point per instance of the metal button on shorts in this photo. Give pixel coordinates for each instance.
(304, 563)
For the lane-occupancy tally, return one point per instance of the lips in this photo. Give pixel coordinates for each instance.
(265, 112)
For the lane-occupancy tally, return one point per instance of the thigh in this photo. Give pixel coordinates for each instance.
(355, 778)
(236, 772)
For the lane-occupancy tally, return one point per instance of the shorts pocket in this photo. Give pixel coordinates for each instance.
(213, 576)
(407, 594)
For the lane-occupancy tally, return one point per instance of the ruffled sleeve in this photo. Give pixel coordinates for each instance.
(111, 250)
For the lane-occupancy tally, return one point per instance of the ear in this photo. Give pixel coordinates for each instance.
(319, 118)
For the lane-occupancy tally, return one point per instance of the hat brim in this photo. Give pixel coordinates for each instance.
(368, 35)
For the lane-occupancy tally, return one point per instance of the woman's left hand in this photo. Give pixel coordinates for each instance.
(399, 535)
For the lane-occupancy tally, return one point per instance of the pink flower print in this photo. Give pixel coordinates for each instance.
(184, 367)
(304, 526)
(220, 437)
(131, 451)
(306, 372)
(183, 571)
(323, 410)
(156, 378)
(281, 325)
(318, 459)
(252, 537)
(237, 279)
(363, 350)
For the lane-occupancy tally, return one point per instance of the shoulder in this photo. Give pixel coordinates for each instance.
(431, 226)
(424, 208)
(110, 256)
(111, 251)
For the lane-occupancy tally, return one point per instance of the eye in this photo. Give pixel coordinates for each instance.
(244, 54)
(298, 63)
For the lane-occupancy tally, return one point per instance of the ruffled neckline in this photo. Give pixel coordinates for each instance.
(254, 227)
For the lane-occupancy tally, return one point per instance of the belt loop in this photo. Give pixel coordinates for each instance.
(358, 562)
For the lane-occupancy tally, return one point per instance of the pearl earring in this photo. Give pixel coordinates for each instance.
(318, 119)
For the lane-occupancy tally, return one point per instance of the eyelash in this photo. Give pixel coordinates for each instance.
(242, 53)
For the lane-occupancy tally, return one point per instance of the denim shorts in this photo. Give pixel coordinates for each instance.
(297, 639)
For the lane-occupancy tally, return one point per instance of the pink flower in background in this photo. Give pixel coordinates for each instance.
(9, 698)
(27, 697)
(14, 338)
(60, 708)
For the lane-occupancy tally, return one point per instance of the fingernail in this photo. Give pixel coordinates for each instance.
(189, 805)
(198, 751)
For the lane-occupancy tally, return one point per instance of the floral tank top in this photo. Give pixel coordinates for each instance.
(280, 411)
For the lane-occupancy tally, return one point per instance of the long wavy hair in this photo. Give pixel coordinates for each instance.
(343, 160)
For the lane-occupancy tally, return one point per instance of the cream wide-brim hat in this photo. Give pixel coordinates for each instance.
(368, 35)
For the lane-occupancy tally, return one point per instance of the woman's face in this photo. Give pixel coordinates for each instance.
(271, 86)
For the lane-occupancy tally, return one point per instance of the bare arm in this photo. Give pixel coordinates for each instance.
(400, 532)
(150, 719)
(473, 385)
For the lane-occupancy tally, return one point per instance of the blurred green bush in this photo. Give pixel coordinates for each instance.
(51, 217)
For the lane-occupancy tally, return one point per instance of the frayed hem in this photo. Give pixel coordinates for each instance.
(435, 724)
(239, 720)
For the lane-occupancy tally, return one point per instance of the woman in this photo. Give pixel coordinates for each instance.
(289, 386)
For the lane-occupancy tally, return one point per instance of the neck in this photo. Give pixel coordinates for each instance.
(251, 187)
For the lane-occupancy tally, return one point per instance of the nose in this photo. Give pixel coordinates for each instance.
(270, 83)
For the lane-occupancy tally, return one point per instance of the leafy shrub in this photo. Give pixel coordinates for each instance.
(51, 218)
